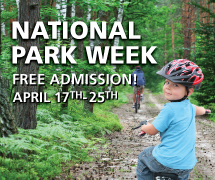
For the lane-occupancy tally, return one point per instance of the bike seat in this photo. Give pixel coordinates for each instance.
(169, 175)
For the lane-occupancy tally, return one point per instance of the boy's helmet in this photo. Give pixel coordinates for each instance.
(183, 71)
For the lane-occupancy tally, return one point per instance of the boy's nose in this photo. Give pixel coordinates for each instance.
(168, 86)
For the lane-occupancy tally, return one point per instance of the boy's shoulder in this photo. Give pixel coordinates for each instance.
(168, 109)
(178, 106)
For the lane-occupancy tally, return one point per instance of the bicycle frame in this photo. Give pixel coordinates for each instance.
(137, 103)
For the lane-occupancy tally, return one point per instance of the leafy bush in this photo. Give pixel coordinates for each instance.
(59, 138)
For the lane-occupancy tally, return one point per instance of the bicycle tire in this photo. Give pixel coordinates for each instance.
(136, 103)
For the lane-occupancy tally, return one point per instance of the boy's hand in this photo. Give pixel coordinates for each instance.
(142, 127)
(202, 111)
(149, 129)
(207, 111)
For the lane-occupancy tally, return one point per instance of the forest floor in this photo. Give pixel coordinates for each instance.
(118, 158)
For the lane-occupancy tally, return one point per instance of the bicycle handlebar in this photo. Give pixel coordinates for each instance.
(142, 133)
(141, 123)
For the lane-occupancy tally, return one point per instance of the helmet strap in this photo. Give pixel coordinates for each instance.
(185, 97)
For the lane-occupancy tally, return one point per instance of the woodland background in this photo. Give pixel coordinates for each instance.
(44, 137)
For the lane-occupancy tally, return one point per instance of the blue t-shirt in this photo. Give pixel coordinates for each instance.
(176, 123)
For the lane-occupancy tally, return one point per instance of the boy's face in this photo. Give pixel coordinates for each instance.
(173, 91)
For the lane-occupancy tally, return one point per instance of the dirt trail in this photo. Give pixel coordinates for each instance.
(118, 159)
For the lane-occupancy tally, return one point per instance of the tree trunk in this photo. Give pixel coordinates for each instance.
(201, 18)
(182, 15)
(165, 52)
(103, 16)
(201, 13)
(89, 105)
(208, 19)
(80, 42)
(204, 13)
(0, 33)
(2, 23)
(213, 19)
(17, 4)
(172, 33)
(65, 88)
(193, 39)
(208, 15)
(44, 42)
(187, 31)
(213, 12)
(116, 39)
(25, 113)
(7, 121)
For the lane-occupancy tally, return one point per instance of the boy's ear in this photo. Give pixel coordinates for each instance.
(191, 90)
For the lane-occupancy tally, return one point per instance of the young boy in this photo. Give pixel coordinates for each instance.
(176, 124)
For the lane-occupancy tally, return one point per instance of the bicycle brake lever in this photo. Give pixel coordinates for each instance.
(143, 123)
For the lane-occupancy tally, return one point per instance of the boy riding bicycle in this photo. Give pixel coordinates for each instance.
(176, 124)
(139, 84)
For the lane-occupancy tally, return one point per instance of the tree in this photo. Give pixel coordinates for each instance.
(7, 121)
(205, 56)
(172, 33)
(0, 29)
(187, 29)
(65, 88)
(116, 39)
(25, 113)
(193, 38)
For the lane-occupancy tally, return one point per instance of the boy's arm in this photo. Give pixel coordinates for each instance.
(201, 110)
(132, 78)
(149, 129)
(144, 79)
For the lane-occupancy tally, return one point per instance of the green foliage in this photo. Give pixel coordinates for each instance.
(10, 10)
(204, 56)
(6, 15)
(59, 138)
(152, 21)
(6, 67)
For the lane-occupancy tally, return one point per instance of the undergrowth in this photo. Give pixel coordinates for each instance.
(58, 139)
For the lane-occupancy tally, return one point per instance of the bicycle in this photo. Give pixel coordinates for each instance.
(138, 99)
(157, 175)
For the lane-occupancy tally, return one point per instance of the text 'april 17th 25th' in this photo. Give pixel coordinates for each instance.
(42, 97)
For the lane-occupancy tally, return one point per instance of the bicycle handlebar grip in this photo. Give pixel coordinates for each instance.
(207, 111)
(142, 133)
